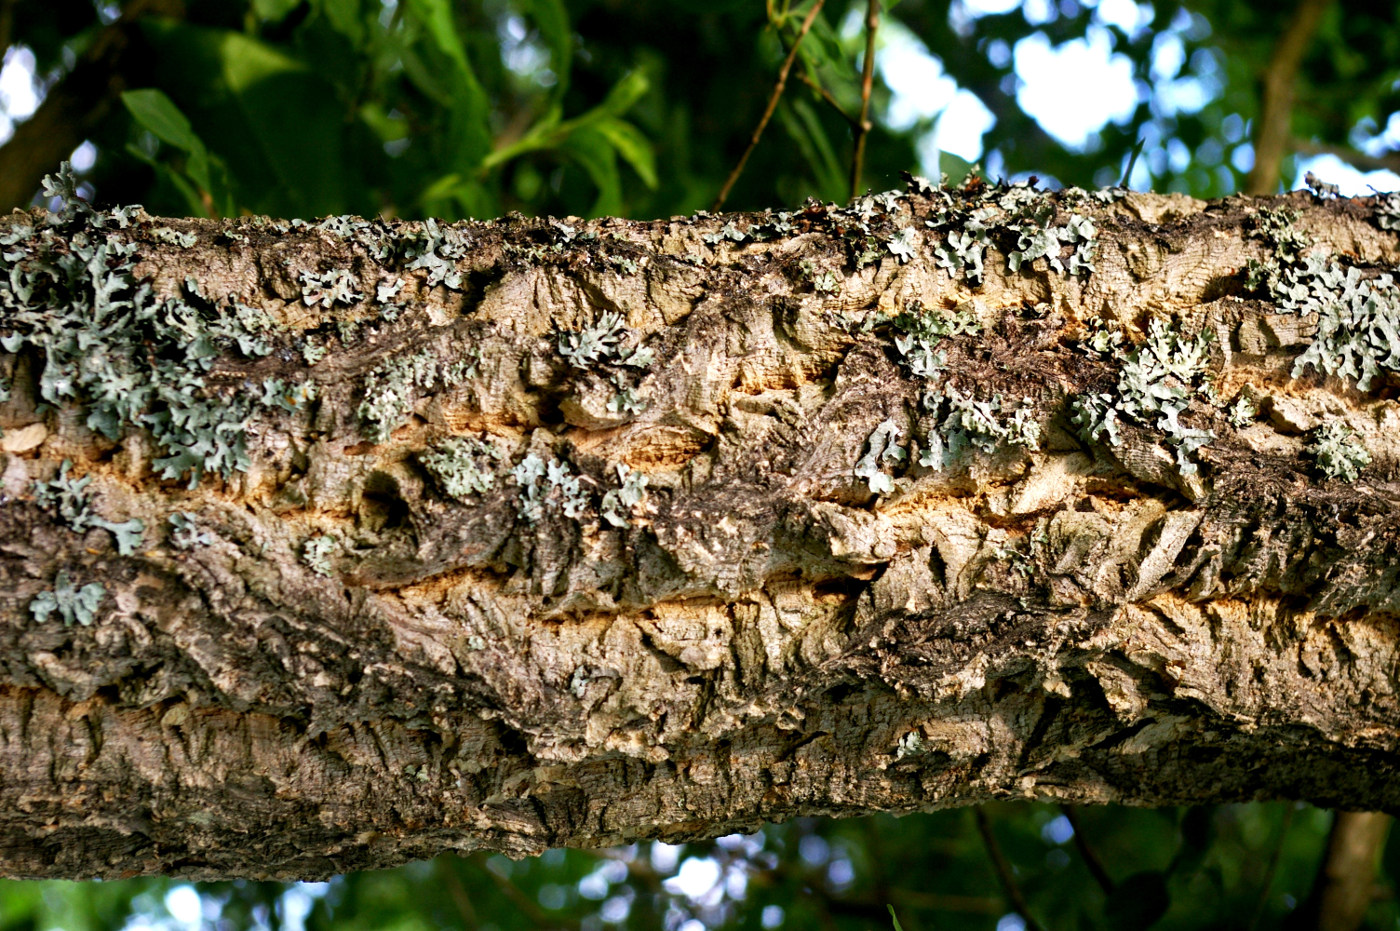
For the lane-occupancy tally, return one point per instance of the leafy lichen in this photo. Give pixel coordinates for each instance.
(73, 604)
(316, 553)
(1339, 452)
(883, 447)
(464, 465)
(109, 345)
(963, 422)
(621, 503)
(67, 498)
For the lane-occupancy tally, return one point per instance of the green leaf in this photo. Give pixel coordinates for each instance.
(894, 918)
(346, 18)
(553, 22)
(274, 11)
(591, 149)
(1138, 901)
(469, 123)
(634, 148)
(158, 113)
(623, 94)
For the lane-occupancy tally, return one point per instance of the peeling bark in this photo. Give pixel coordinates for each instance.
(483, 657)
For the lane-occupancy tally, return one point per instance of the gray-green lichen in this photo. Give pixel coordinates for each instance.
(390, 389)
(883, 447)
(621, 503)
(550, 485)
(1339, 452)
(963, 422)
(1155, 386)
(316, 552)
(67, 499)
(464, 465)
(108, 345)
(185, 533)
(73, 604)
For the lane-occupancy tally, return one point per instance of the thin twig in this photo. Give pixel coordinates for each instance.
(867, 78)
(1276, 99)
(1086, 853)
(772, 104)
(827, 97)
(528, 907)
(447, 870)
(1269, 870)
(1003, 870)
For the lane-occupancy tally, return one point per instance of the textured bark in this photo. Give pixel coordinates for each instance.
(763, 636)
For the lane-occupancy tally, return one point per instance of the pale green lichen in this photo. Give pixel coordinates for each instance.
(464, 465)
(1358, 319)
(67, 498)
(185, 533)
(172, 237)
(963, 422)
(73, 604)
(883, 447)
(1339, 452)
(548, 485)
(389, 392)
(108, 345)
(336, 286)
(1388, 211)
(1155, 387)
(621, 503)
(316, 552)
(606, 341)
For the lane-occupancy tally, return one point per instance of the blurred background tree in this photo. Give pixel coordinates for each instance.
(648, 108)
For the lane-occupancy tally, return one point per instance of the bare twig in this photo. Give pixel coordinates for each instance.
(447, 869)
(1003, 870)
(827, 97)
(1086, 853)
(867, 77)
(1388, 161)
(1276, 98)
(1346, 878)
(528, 907)
(1270, 869)
(772, 104)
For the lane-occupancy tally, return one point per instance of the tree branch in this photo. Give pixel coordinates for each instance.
(73, 106)
(1388, 161)
(407, 538)
(1003, 870)
(1346, 878)
(1273, 128)
(863, 125)
(773, 98)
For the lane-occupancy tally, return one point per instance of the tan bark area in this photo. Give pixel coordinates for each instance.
(763, 637)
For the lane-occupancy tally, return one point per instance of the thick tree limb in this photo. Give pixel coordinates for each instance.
(372, 642)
